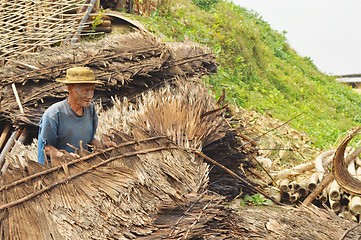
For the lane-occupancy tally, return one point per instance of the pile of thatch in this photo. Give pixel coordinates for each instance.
(126, 64)
(152, 105)
(109, 193)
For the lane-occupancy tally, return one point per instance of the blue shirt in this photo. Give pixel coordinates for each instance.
(60, 125)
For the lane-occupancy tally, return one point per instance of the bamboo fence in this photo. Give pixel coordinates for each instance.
(27, 25)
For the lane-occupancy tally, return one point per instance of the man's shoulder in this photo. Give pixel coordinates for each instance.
(56, 108)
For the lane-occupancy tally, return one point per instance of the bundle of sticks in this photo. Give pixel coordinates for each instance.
(314, 182)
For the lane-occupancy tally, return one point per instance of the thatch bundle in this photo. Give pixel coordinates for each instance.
(126, 64)
(102, 195)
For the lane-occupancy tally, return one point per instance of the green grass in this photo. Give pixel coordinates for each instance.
(259, 70)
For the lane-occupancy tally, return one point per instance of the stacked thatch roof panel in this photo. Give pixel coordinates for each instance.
(126, 64)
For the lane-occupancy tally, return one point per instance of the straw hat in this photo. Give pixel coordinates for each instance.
(79, 75)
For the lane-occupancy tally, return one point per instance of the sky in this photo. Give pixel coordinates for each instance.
(327, 31)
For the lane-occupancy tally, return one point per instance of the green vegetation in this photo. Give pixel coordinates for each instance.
(258, 69)
(256, 199)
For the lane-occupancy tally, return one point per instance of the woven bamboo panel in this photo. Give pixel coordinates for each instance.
(27, 25)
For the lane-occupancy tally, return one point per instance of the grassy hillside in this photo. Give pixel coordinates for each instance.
(258, 69)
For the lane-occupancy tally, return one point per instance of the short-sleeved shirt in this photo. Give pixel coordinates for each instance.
(60, 125)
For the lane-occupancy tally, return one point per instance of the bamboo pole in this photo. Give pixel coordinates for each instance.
(334, 191)
(294, 197)
(17, 97)
(83, 20)
(312, 182)
(302, 188)
(335, 205)
(297, 170)
(82, 159)
(97, 5)
(4, 135)
(9, 144)
(274, 192)
(285, 196)
(323, 196)
(355, 204)
(284, 185)
(320, 160)
(355, 201)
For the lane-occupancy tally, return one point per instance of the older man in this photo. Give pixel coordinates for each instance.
(72, 120)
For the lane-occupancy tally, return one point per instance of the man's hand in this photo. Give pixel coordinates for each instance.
(74, 155)
(52, 151)
(97, 144)
(107, 142)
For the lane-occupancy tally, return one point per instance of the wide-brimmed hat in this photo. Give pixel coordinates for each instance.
(79, 75)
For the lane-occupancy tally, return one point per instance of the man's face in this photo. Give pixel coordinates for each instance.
(82, 93)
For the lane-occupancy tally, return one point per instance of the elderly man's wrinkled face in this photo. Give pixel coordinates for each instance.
(82, 93)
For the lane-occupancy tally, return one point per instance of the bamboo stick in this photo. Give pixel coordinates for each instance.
(67, 179)
(23, 135)
(355, 204)
(312, 182)
(334, 191)
(4, 134)
(335, 205)
(83, 20)
(294, 197)
(8, 146)
(323, 196)
(358, 161)
(320, 160)
(291, 186)
(302, 189)
(283, 185)
(97, 5)
(285, 196)
(355, 201)
(297, 170)
(343, 211)
(17, 97)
